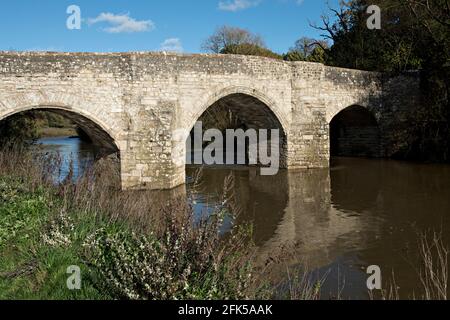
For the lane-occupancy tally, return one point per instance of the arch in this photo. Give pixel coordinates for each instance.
(59, 100)
(253, 110)
(97, 130)
(354, 132)
(336, 108)
(270, 103)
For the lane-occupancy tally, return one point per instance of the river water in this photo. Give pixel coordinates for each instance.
(336, 221)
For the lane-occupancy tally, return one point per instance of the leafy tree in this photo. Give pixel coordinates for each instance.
(18, 129)
(317, 55)
(307, 49)
(226, 36)
(305, 46)
(352, 40)
(250, 50)
(294, 56)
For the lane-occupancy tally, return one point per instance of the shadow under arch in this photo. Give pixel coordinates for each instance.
(235, 90)
(100, 135)
(354, 132)
(239, 108)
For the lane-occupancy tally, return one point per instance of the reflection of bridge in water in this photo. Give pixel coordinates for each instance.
(313, 214)
(361, 210)
(318, 222)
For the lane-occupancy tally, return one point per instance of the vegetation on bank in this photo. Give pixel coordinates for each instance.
(125, 245)
(35, 257)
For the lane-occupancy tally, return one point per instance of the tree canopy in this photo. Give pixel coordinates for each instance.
(226, 37)
(250, 49)
(413, 33)
(307, 49)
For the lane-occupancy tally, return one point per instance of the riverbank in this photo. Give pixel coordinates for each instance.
(47, 230)
(48, 132)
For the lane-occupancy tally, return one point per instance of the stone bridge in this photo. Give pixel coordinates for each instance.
(132, 103)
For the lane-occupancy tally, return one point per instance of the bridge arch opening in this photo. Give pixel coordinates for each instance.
(245, 113)
(354, 132)
(51, 118)
(77, 140)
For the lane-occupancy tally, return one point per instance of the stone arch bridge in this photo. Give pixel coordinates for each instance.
(132, 103)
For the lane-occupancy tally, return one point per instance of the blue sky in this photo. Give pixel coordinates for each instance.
(140, 25)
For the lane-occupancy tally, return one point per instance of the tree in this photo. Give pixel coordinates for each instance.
(306, 46)
(409, 31)
(226, 37)
(352, 40)
(317, 55)
(294, 56)
(250, 50)
(18, 129)
(307, 49)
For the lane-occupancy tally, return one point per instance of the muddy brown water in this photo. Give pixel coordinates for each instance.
(336, 221)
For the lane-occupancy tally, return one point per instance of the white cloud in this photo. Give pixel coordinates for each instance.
(300, 2)
(172, 45)
(122, 23)
(237, 5)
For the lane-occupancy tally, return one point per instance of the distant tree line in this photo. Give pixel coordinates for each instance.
(24, 127)
(233, 40)
(17, 129)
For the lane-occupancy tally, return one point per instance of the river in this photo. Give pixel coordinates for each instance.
(336, 221)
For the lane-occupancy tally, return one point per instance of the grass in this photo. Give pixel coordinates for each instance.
(125, 246)
(32, 267)
(434, 272)
(432, 267)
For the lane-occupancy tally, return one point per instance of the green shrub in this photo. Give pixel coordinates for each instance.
(184, 262)
(21, 212)
(44, 229)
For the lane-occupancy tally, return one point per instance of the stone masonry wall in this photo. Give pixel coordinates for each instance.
(141, 99)
(402, 98)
